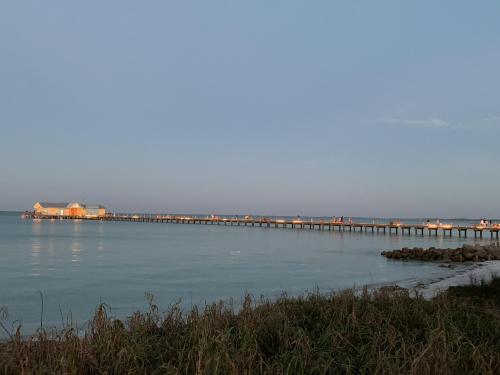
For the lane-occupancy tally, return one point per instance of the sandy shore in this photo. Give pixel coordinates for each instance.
(475, 274)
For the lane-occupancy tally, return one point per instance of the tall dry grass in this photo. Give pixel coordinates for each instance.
(377, 332)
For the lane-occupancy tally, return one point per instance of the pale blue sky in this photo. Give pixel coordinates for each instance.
(376, 108)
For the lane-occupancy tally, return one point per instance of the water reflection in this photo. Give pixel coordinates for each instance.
(36, 227)
(76, 250)
(36, 247)
(235, 255)
(76, 247)
(77, 226)
(51, 247)
(100, 248)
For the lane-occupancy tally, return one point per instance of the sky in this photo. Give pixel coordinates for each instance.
(327, 108)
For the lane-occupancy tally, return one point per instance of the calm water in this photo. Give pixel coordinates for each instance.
(77, 265)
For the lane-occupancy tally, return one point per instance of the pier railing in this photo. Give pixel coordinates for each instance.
(313, 224)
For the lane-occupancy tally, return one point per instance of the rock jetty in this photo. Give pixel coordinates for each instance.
(466, 253)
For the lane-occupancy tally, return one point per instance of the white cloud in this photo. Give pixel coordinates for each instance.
(485, 123)
(431, 122)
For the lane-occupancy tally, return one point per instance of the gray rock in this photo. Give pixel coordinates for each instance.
(494, 252)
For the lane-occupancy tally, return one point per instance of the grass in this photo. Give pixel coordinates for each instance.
(481, 292)
(376, 332)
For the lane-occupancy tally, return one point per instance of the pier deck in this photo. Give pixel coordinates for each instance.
(322, 225)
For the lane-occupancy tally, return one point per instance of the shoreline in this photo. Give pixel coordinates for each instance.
(473, 265)
(384, 329)
(467, 273)
(472, 274)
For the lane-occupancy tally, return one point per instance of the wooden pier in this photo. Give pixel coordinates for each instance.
(321, 225)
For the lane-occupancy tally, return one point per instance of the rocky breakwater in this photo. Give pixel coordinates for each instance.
(466, 253)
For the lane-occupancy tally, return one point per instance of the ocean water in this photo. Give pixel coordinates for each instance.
(76, 265)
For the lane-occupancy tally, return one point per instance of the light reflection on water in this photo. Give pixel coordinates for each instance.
(75, 250)
(36, 247)
(78, 264)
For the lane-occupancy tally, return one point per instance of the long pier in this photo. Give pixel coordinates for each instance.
(322, 225)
